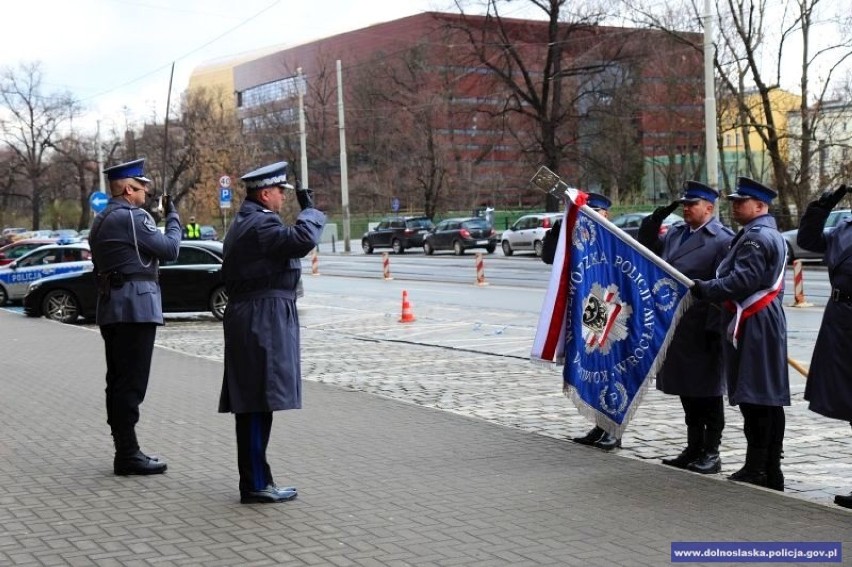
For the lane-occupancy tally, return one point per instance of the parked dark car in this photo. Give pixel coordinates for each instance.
(630, 222)
(797, 252)
(459, 235)
(209, 232)
(397, 233)
(192, 283)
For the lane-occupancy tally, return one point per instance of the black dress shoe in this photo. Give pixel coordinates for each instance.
(593, 436)
(607, 442)
(140, 464)
(268, 495)
(708, 463)
(681, 461)
(844, 501)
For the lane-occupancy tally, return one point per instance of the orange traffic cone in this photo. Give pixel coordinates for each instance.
(407, 315)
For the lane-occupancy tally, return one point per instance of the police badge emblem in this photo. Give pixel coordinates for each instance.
(604, 318)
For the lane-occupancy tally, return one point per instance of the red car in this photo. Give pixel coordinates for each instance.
(12, 252)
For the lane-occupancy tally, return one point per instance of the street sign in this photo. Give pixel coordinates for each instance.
(98, 201)
(395, 204)
(224, 181)
(225, 196)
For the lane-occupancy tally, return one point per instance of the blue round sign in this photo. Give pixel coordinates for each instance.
(98, 201)
(395, 204)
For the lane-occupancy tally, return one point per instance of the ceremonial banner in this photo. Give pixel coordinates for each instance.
(609, 314)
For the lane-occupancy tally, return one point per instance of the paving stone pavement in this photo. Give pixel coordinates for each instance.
(488, 480)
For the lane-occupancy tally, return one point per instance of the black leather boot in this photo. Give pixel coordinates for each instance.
(607, 442)
(708, 463)
(754, 470)
(694, 438)
(774, 476)
(593, 436)
(843, 500)
(130, 460)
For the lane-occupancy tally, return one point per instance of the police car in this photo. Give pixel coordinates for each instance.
(50, 260)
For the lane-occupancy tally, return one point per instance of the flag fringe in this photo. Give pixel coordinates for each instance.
(595, 416)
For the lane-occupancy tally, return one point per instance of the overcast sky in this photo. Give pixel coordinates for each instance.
(113, 54)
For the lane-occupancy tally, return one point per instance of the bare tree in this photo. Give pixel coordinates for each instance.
(540, 75)
(32, 124)
(757, 44)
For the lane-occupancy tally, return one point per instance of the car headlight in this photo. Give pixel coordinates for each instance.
(33, 286)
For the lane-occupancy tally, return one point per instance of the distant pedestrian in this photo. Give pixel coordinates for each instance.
(193, 230)
(691, 369)
(750, 284)
(596, 436)
(127, 247)
(829, 385)
(261, 268)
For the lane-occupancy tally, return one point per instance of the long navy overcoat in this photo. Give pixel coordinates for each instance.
(261, 269)
(829, 385)
(692, 365)
(756, 368)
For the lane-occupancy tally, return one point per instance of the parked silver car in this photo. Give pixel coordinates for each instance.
(527, 233)
(799, 253)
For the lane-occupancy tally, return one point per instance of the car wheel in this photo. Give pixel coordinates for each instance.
(538, 248)
(366, 247)
(4, 297)
(458, 249)
(491, 248)
(60, 305)
(427, 248)
(218, 302)
(396, 245)
(507, 248)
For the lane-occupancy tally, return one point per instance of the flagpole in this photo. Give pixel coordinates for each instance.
(547, 181)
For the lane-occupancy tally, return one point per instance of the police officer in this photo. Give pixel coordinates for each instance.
(126, 249)
(193, 230)
(262, 268)
(828, 388)
(750, 284)
(596, 437)
(691, 369)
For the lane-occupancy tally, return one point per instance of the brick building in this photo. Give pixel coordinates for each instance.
(627, 94)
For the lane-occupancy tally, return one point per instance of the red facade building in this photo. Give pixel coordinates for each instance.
(450, 112)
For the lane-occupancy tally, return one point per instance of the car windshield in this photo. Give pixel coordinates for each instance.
(419, 223)
(476, 223)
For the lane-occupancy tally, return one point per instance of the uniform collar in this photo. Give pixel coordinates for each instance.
(766, 220)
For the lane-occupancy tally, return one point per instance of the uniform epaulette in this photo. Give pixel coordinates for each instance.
(755, 228)
(265, 211)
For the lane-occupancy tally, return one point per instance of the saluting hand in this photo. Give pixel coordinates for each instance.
(168, 204)
(830, 198)
(305, 197)
(660, 213)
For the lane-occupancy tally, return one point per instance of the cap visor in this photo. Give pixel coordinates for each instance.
(286, 186)
(689, 199)
(143, 179)
(739, 197)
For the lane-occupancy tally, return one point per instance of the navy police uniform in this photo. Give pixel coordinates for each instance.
(755, 357)
(126, 248)
(829, 385)
(596, 437)
(692, 366)
(262, 373)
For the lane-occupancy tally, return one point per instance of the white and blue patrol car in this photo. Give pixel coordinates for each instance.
(48, 260)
